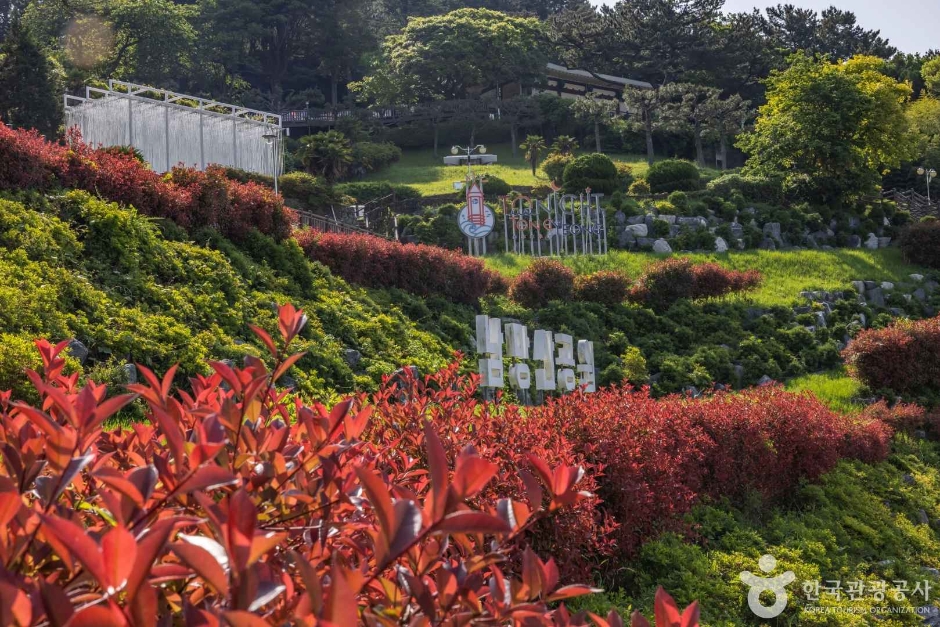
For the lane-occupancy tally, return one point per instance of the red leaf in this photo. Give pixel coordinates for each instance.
(144, 607)
(437, 463)
(471, 475)
(239, 618)
(576, 590)
(119, 552)
(469, 521)
(408, 522)
(690, 616)
(80, 544)
(56, 603)
(665, 608)
(10, 504)
(638, 620)
(203, 563)
(379, 498)
(208, 478)
(285, 365)
(98, 616)
(148, 547)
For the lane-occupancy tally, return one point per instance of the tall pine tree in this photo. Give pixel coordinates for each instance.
(29, 93)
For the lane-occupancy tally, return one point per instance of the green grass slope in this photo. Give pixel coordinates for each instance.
(786, 273)
(131, 291)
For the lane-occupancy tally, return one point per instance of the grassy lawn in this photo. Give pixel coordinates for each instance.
(834, 388)
(786, 273)
(427, 173)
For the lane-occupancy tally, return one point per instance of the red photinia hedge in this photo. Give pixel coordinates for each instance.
(543, 281)
(232, 506)
(903, 358)
(667, 281)
(417, 268)
(607, 287)
(189, 197)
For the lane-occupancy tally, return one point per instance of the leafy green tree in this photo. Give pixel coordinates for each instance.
(924, 117)
(10, 11)
(30, 95)
(327, 154)
(930, 72)
(564, 145)
(533, 146)
(518, 111)
(830, 128)
(726, 119)
(595, 111)
(443, 57)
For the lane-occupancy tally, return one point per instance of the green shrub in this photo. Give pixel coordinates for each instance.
(595, 170)
(920, 243)
(436, 226)
(494, 187)
(752, 188)
(624, 175)
(554, 166)
(680, 201)
(673, 175)
(639, 187)
(312, 192)
(373, 156)
(660, 228)
(366, 191)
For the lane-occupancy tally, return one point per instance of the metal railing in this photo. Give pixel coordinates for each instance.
(327, 224)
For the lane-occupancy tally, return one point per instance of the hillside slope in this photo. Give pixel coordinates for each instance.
(131, 289)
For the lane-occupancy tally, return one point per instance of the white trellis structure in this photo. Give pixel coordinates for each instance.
(171, 129)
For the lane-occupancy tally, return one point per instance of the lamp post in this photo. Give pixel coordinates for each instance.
(272, 140)
(456, 150)
(930, 174)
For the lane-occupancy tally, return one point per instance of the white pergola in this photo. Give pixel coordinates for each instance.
(171, 129)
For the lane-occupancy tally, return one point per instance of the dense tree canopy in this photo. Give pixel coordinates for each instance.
(830, 128)
(29, 89)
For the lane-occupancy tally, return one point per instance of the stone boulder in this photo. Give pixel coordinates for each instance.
(721, 246)
(638, 230)
(661, 246)
(872, 242)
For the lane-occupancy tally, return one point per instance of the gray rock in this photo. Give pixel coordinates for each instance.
(862, 320)
(917, 278)
(692, 391)
(636, 220)
(749, 211)
(721, 246)
(931, 286)
(854, 222)
(661, 246)
(626, 239)
(78, 350)
(638, 230)
(736, 229)
(130, 373)
(872, 242)
(802, 310)
(655, 378)
(884, 242)
(738, 373)
(887, 286)
(764, 380)
(668, 219)
(920, 294)
(820, 236)
(694, 222)
(870, 285)
(876, 297)
(922, 517)
(896, 312)
(768, 244)
(854, 241)
(811, 243)
(648, 220)
(352, 357)
(821, 319)
(772, 230)
(644, 242)
(859, 286)
(908, 479)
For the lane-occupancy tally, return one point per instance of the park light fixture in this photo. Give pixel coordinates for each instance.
(455, 150)
(482, 149)
(269, 140)
(930, 174)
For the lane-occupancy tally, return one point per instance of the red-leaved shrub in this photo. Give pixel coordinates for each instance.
(665, 282)
(234, 506)
(903, 358)
(906, 417)
(416, 268)
(606, 287)
(660, 456)
(543, 281)
(189, 197)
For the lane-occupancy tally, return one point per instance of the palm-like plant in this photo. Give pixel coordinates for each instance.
(565, 145)
(327, 154)
(533, 146)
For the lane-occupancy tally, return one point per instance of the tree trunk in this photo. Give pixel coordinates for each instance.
(649, 142)
(724, 151)
(699, 148)
(334, 89)
(436, 133)
(514, 134)
(597, 135)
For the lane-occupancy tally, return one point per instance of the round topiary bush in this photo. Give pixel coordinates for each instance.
(554, 166)
(639, 187)
(595, 170)
(544, 281)
(920, 243)
(606, 287)
(672, 175)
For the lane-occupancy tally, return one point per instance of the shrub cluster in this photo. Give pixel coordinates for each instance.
(903, 357)
(416, 268)
(209, 509)
(673, 175)
(920, 243)
(372, 156)
(606, 287)
(754, 188)
(595, 170)
(554, 166)
(725, 446)
(670, 280)
(543, 281)
(190, 198)
(365, 191)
